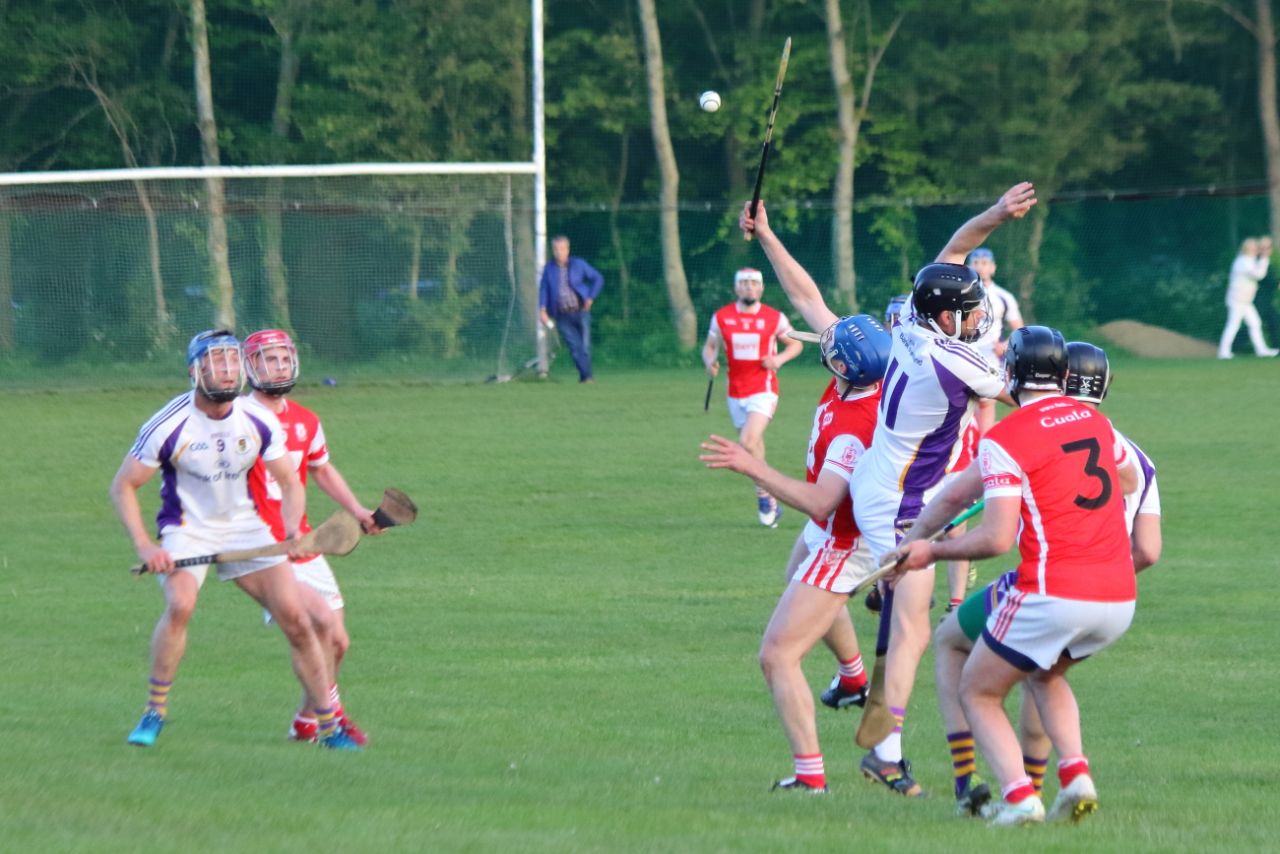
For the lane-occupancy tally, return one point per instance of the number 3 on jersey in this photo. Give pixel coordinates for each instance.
(1091, 469)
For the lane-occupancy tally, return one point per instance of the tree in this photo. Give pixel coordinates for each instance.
(850, 113)
(682, 313)
(219, 256)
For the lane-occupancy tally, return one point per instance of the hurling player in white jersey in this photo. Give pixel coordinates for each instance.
(1004, 312)
(204, 443)
(929, 389)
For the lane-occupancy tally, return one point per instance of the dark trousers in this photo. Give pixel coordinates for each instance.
(575, 329)
(1265, 303)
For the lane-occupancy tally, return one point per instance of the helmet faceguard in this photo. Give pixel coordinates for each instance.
(1035, 360)
(271, 360)
(743, 279)
(893, 311)
(951, 290)
(213, 358)
(855, 349)
(1090, 376)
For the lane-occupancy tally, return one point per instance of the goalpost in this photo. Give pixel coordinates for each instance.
(412, 271)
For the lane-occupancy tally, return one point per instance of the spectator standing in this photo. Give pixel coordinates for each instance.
(568, 289)
(1247, 270)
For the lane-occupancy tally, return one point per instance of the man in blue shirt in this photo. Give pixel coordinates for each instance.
(569, 287)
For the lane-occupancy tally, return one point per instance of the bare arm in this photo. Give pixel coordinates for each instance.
(1147, 540)
(790, 350)
(795, 280)
(1014, 204)
(329, 479)
(819, 499)
(954, 499)
(292, 493)
(994, 537)
(711, 353)
(1128, 477)
(132, 476)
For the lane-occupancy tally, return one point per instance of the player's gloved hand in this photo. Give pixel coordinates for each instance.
(367, 522)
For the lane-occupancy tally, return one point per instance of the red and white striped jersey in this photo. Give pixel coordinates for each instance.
(842, 431)
(749, 337)
(1062, 459)
(306, 447)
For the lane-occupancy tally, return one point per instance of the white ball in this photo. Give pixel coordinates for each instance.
(710, 101)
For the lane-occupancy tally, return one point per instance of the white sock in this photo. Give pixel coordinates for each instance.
(890, 750)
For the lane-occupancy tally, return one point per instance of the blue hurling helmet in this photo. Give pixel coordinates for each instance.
(213, 340)
(860, 346)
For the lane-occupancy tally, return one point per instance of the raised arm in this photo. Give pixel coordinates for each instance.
(1014, 204)
(795, 280)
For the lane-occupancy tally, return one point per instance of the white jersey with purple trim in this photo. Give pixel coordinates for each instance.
(1003, 309)
(205, 463)
(927, 393)
(1146, 498)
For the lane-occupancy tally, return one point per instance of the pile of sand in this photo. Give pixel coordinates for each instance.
(1142, 339)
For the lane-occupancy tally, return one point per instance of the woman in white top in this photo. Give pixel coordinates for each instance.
(1248, 269)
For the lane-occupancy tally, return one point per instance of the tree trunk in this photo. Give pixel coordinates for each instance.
(615, 235)
(118, 120)
(288, 25)
(682, 313)
(7, 342)
(415, 259)
(1266, 35)
(219, 255)
(842, 194)
(1027, 281)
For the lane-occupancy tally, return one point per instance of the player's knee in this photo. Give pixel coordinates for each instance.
(294, 622)
(341, 642)
(179, 610)
(772, 657)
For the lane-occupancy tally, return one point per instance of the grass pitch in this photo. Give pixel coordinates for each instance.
(560, 654)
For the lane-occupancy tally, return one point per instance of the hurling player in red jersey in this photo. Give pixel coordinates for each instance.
(828, 559)
(271, 362)
(1054, 476)
(749, 331)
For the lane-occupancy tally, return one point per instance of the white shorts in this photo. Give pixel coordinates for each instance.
(1032, 631)
(837, 570)
(814, 536)
(766, 403)
(188, 542)
(318, 575)
(880, 512)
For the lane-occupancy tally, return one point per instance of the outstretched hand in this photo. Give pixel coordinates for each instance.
(722, 453)
(1017, 200)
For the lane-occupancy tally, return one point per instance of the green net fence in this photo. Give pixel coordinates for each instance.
(432, 278)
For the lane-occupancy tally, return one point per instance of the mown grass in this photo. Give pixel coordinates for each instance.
(560, 655)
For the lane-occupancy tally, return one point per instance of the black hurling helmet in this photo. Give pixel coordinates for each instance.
(1036, 360)
(954, 289)
(1090, 376)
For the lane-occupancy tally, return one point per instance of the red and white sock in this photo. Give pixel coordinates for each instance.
(809, 770)
(1018, 791)
(1071, 768)
(852, 674)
